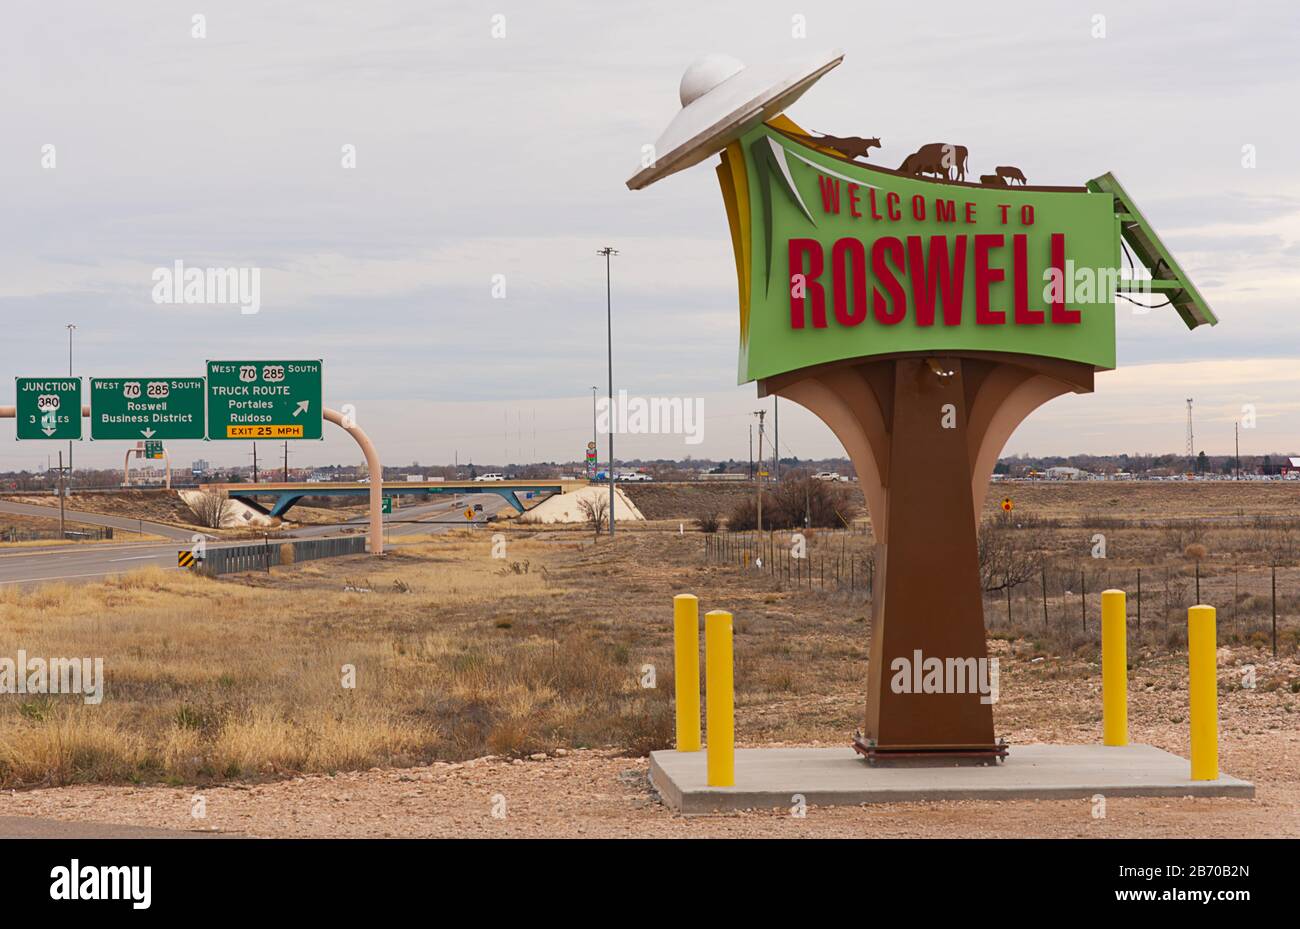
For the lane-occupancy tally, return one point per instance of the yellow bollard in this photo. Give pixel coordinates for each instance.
(1114, 668)
(686, 666)
(1203, 691)
(720, 703)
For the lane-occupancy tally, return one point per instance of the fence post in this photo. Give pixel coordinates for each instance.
(1044, 579)
(686, 670)
(1274, 571)
(1139, 598)
(720, 699)
(1114, 668)
(1203, 693)
(1083, 599)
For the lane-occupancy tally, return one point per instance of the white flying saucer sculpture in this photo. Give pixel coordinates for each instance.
(721, 101)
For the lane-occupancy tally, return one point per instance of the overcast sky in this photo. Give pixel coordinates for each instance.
(478, 156)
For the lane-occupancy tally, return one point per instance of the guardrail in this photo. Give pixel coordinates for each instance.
(260, 556)
(97, 533)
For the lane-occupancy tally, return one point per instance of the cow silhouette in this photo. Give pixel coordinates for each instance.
(992, 180)
(1010, 173)
(851, 146)
(938, 158)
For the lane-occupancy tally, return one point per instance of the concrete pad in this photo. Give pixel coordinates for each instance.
(769, 777)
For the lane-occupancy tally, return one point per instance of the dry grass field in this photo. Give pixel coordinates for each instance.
(458, 656)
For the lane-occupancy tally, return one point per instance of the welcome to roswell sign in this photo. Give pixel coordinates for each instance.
(841, 261)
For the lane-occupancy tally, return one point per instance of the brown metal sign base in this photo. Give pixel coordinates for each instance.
(929, 756)
(924, 433)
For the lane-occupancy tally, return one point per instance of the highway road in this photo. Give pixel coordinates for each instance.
(92, 561)
(95, 519)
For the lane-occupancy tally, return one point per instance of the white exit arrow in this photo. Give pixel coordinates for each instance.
(147, 433)
(302, 407)
(48, 430)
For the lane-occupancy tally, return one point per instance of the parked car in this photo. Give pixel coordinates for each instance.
(490, 477)
(828, 476)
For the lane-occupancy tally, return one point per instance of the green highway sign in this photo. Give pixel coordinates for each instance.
(153, 449)
(48, 407)
(264, 400)
(146, 408)
(388, 505)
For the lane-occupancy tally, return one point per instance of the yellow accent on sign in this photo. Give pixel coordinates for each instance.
(1007, 505)
(469, 514)
(184, 559)
(264, 432)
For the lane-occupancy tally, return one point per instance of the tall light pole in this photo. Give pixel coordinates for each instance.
(71, 327)
(594, 435)
(609, 344)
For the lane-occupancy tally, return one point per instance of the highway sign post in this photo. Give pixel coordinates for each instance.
(152, 408)
(48, 407)
(264, 400)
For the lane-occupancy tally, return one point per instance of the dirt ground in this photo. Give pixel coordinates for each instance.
(592, 794)
(800, 663)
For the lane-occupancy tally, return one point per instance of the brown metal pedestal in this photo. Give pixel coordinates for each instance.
(924, 433)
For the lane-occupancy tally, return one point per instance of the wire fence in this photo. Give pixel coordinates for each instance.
(1254, 602)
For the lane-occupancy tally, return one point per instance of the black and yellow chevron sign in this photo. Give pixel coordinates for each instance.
(185, 558)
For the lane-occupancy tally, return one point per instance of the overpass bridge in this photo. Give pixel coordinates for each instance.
(288, 494)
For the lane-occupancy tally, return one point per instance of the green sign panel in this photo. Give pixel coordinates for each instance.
(146, 408)
(264, 400)
(153, 449)
(387, 505)
(839, 260)
(48, 407)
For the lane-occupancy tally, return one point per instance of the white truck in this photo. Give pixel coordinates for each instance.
(827, 476)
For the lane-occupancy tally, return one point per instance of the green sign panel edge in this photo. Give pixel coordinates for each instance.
(290, 401)
(63, 427)
(161, 431)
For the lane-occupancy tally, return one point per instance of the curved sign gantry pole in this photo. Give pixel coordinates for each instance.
(922, 318)
(367, 448)
(376, 474)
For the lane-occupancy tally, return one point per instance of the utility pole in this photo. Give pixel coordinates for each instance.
(1236, 446)
(594, 437)
(254, 462)
(609, 345)
(751, 451)
(1191, 445)
(758, 485)
(776, 438)
(286, 462)
(62, 534)
(71, 327)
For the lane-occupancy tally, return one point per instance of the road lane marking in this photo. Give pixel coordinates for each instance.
(67, 577)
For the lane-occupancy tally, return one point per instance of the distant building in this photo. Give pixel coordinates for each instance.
(201, 466)
(1062, 473)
